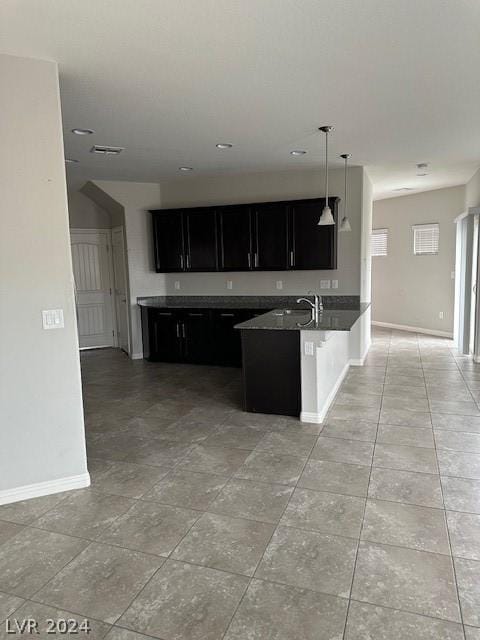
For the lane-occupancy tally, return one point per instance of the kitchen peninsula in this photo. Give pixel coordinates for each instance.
(296, 365)
(293, 363)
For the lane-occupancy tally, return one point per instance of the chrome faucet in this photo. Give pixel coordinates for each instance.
(317, 305)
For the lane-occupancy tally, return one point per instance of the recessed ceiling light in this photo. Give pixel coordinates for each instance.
(185, 168)
(298, 152)
(224, 145)
(83, 132)
(70, 160)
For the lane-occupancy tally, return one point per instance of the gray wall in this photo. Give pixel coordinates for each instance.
(83, 213)
(407, 289)
(42, 434)
(472, 191)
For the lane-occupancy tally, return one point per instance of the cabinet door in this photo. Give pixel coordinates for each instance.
(200, 239)
(312, 247)
(165, 341)
(228, 345)
(197, 337)
(168, 242)
(234, 238)
(270, 236)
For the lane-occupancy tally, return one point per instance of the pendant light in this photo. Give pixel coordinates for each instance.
(326, 218)
(345, 223)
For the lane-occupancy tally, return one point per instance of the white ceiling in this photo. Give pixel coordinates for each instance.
(167, 79)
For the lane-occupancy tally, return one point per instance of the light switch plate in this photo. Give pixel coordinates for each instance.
(279, 284)
(229, 284)
(324, 284)
(334, 284)
(53, 319)
(177, 285)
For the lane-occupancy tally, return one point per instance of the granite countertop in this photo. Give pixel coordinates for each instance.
(245, 302)
(298, 320)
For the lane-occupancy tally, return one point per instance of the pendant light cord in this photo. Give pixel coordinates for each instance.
(326, 168)
(345, 206)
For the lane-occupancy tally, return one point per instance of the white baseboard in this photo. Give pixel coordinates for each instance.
(40, 489)
(359, 362)
(307, 416)
(136, 356)
(406, 327)
(318, 418)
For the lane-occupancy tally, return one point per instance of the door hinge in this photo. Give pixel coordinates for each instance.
(113, 332)
(110, 290)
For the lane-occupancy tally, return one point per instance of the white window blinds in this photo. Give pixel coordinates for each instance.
(379, 242)
(425, 239)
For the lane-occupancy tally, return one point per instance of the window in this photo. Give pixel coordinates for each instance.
(379, 242)
(425, 239)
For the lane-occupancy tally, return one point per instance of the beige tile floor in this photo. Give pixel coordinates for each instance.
(204, 522)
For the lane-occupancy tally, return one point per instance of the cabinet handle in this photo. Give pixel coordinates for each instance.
(164, 313)
(178, 330)
(188, 261)
(291, 258)
(183, 331)
(181, 261)
(249, 260)
(256, 260)
(196, 314)
(227, 315)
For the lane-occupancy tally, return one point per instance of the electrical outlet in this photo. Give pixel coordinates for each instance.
(334, 284)
(279, 284)
(229, 284)
(177, 284)
(309, 348)
(324, 284)
(441, 315)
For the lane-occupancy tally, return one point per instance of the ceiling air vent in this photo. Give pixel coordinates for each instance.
(106, 151)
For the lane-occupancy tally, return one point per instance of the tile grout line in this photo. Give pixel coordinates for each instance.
(364, 511)
(277, 525)
(454, 573)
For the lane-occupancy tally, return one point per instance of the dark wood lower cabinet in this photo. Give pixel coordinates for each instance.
(196, 336)
(196, 329)
(271, 371)
(163, 336)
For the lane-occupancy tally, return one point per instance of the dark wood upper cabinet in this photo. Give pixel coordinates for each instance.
(270, 236)
(235, 238)
(312, 246)
(168, 241)
(200, 239)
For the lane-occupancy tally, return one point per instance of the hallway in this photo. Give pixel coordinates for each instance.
(204, 522)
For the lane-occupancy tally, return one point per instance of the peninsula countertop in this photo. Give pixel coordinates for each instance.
(301, 320)
(244, 302)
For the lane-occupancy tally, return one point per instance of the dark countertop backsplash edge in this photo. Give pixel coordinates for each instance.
(246, 302)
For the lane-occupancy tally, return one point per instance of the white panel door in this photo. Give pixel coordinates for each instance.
(91, 270)
(120, 286)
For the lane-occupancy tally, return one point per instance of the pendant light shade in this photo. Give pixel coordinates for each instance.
(326, 218)
(345, 223)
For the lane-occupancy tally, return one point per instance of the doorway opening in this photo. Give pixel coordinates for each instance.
(100, 277)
